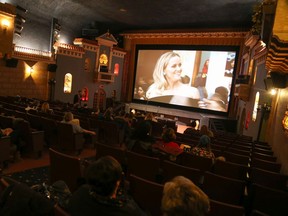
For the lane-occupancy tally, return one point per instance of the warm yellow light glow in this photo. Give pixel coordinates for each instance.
(27, 71)
(30, 70)
(5, 24)
(273, 91)
(68, 83)
(256, 105)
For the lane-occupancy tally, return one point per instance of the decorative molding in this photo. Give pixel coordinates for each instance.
(277, 59)
(25, 53)
(176, 35)
(251, 40)
(260, 51)
(107, 39)
(105, 77)
(69, 50)
(89, 45)
(118, 53)
(7, 9)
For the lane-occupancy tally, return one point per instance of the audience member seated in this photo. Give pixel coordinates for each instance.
(192, 130)
(69, 119)
(205, 131)
(13, 148)
(203, 149)
(108, 114)
(19, 199)
(85, 109)
(150, 117)
(45, 108)
(5, 132)
(34, 105)
(15, 140)
(168, 144)
(182, 197)
(142, 132)
(124, 121)
(103, 193)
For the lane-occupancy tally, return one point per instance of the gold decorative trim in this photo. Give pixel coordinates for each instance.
(285, 122)
(251, 40)
(277, 56)
(176, 35)
(118, 53)
(260, 51)
(25, 53)
(69, 50)
(86, 44)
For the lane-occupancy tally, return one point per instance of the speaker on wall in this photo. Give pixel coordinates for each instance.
(52, 67)
(12, 63)
(279, 79)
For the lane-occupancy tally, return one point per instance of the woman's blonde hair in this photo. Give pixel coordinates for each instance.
(160, 82)
(45, 107)
(68, 116)
(182, 197)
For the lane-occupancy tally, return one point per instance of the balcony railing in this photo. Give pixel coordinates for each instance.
(25, 53)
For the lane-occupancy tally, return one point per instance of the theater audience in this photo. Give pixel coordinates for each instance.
(182, 197)
(45, 108)
(192, 130)
(5, 132)
(169, 137)
(102, 194)
(69, 119)
(108, 114)
(150, 117)
(203, 148)
(124, 120)
(15, 137)
(168, 144)
(205, 131)
(141, 140)
(143, 129)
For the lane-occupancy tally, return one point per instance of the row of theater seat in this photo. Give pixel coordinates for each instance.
(252, 178)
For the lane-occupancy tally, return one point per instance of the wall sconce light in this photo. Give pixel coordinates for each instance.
(269, 86)
(264, 108)
(30, 70)
(273, 91)
(5, 24)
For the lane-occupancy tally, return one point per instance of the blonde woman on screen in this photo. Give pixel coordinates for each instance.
(168, 80)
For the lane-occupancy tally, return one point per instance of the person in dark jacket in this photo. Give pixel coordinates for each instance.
(103, 194)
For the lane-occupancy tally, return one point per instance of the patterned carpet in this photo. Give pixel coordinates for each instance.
(33, 171)
(32, 176)
(36, 175)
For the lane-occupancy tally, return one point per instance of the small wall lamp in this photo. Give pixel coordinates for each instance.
(5, 24)
(273, 91)
(31, 70)
(269, 86)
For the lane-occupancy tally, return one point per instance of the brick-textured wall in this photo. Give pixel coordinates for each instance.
(16, 81)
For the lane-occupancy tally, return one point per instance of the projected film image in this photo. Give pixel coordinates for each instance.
(200, 79)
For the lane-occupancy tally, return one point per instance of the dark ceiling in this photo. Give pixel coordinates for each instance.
(124, 15)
